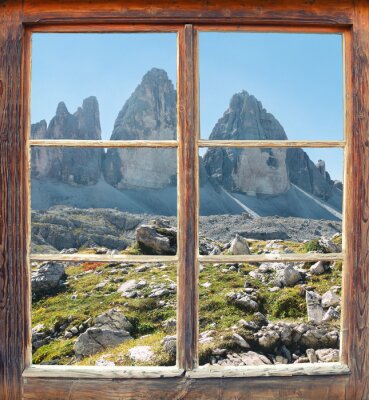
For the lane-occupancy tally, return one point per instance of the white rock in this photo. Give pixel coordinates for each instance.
(127, 286)
(141, 353)
(314, 308)
(238, 339)
(311, 355)
(318, 268)
(287, 276)
(329, 246)
(331, 315)
(102, 362)
(328, 355)
(330, 299)
(239, 246)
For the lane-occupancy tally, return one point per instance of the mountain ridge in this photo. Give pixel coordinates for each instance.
(259, 178)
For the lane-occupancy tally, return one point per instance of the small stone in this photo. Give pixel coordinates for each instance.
(141, 353)
(269, 340)
(281, 360)
(102, 362)
(74, 330)
(330, 299)
(311, 355)
(127, 286)
(140, 284)
(142, 268)
(240, 341)
(169, 345)
(101, 285)
(319, 268)
(331, 315)
(329, 246)
(287, 276)
(247, 303)
(328, 355)
(314, 309)
(239, 246)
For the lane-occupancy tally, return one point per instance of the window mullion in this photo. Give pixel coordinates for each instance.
(187, 330)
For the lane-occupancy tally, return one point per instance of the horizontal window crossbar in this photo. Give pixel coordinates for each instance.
(103, 143)
(96, 372)
(306, 257)
(282, 370)
(119, 258)
(272, 143)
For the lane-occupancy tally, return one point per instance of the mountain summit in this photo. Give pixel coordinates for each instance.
(149, 113)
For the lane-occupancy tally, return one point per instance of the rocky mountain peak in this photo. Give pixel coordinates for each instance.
(155, 76)
(61, 110)
(39, 130)
(246, 118)
(149, 113)
(88, 117)
(69, 165)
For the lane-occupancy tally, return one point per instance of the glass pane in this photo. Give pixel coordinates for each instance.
(104, 86)
(269, 313)
(105, 201)
(103, 314)
(271, 86)
(289, 195)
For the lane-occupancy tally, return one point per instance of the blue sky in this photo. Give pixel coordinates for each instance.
(297, 77)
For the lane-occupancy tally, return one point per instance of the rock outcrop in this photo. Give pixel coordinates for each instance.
(110, 329)
(47, 278)
(251, 171)
(261, 171)
(150, 113)
(76, 166)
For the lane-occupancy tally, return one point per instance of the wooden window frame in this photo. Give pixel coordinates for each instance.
(18, 19)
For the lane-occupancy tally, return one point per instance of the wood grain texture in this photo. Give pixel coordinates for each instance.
(272, 143)
(348, 227)
(287, 257)
(281, 370)
(14, 278)
(293, 12)
(80, 257)
(357, 203)
(188, 200)
(92, 372)
(103, 143)
(270, 388)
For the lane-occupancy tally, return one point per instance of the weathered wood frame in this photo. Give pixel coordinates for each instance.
(18, 18)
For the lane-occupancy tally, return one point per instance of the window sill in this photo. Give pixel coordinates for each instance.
(321, 369)
(86, 372)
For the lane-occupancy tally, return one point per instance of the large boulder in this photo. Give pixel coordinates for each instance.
(95, 340)
(47, 278)
(157, 238)
(110, 329)
(114, 320)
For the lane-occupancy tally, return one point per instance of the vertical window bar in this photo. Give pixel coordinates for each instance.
(187, 329)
